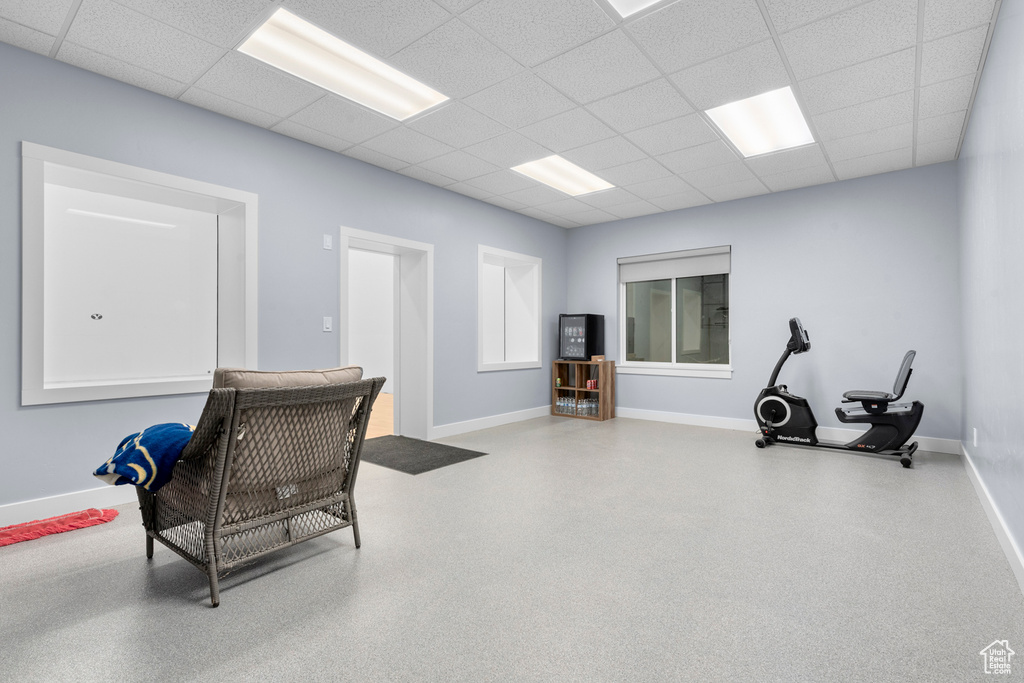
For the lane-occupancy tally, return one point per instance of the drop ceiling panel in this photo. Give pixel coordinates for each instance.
(380, 27)
(427, 176)
(252, 83)
(313, 137)
(508, 150)
(634, 172)
(874, 163)
(633, 209)
(459, 165)
(937, 152)
(592, 217)
(519, 101)
(222, 105)
(688, 32)
(803, 177)
(568, 130)
(533, 31)
(853, 36)
(870, 80)
(457, 124)
(787, 160)
(744, 73)
(662, 138)
(687, 160)
(407, 145)
(788, 14)
(506, 203)
(602, 67)
(953, 55)
(502, 183)
(708, 178)
(684, 200)
(946, 96)
(872, 142)
(563, 207)
(607, 198)
(455, 60)
(343, 119)
(45, 16)
(536, 195)
(24, 37)
(85, 58)
(738, 190)
(943, 17)
(374, 157)
(218, 22)
(115, 31)
(659, 187)
(876, 114)
(940, 128)
(605, 154)
(641, 106)
(470, 191)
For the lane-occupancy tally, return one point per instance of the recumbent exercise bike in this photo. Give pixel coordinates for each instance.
(784, 417)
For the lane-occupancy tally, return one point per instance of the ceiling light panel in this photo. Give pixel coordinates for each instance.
(563, 175)
(627, 7)
(764, 123)
(292, 44)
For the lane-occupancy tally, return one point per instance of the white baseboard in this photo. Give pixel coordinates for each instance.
(51, 506)
(925, 443)
(995, 518)
(453, 428)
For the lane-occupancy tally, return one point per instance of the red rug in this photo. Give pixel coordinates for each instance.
(54, 525)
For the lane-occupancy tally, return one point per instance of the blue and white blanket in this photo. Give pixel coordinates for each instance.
(147, 458)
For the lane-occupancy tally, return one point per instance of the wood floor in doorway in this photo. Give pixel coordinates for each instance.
(382, 419)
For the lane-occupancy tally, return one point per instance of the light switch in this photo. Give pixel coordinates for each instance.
(328, 242)
(328, 323)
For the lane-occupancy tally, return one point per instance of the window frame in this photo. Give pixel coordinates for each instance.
(670, 369)
(488, 255)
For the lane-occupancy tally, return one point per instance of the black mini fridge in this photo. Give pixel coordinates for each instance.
(580, 336)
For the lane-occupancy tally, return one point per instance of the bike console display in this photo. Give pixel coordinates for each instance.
(798, 340)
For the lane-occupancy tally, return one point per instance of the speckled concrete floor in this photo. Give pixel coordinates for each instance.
(574, 551)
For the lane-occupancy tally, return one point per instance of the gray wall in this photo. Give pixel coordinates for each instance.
(869, 265)
(992, 246)
(304, 192)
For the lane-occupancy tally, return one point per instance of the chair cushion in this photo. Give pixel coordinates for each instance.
(240, 378)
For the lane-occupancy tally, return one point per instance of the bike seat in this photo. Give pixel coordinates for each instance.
(858, 395)
(877, 402)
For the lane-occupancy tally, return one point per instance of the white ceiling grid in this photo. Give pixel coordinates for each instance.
(885, 84)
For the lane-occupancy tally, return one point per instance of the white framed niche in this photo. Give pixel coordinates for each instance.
(134, 282)
(508, 310)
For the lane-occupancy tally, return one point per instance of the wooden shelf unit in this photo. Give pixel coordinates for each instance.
(574, 375)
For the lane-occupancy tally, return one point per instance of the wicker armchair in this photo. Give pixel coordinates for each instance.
(265, 469)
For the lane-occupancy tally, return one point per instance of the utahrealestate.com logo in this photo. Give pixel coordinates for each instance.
(997, 657)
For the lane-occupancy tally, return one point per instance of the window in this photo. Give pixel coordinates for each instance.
(674, 313)
(509, 310)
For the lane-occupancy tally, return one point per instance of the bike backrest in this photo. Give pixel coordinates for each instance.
(798, 339)
(904, 375)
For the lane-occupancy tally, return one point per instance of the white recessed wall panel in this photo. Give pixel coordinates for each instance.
(492, 313)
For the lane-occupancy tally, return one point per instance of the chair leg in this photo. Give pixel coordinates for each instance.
(149, 547)
(355, 519)
(214, 587)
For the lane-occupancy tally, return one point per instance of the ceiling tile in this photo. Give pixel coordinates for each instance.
(592, 217)
(860, 118)
(108, 66)
(659, 187)
(862, 82)
(508, 150)
(457, 125)
(862, 33)
(683, 200)
(633, 209)
(343, 119)
(602, 67)
(940, 128)
(563, 207)
(459, 165)
(946, 96)
(942, 17)
(738, 190)
(533, 31)
(455, 60)
(641, 106)
(427, 176)
(502, 182)
(221, 23)
(610, 197)
(407, 145)
(802, 177)
(605, 154)
(662, 138)
(875, 163)
(634, 172)
(380, 27)
(691, 31)
(25, 38)
(537, 195)
(738, 75)
(374, 157)
(126, 35)
(222, 105)
(872, 142)
(253, 83)
(787, 160)
(568, 130)
(506, 203)
(788, 14)
(470, 191)
(953, 55)
(313, 137)
(701, 156)
(457, 5)
(519, 101)
(564, 223)
(45, 16)
(937, 152)
(706, 178)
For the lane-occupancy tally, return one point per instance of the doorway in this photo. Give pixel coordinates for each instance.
(405, 314)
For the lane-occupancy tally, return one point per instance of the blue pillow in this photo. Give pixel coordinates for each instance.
(147, 458)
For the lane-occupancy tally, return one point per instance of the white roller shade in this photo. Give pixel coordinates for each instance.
(673, 264)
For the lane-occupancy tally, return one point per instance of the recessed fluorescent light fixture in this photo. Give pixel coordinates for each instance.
(294, 45)
(562, 175)
(628, 7)
(763, 123)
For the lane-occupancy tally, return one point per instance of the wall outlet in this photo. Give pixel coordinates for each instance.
(975, 437)
(328, 323)
(328, 242)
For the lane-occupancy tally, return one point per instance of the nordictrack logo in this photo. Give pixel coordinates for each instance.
(798, 439)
